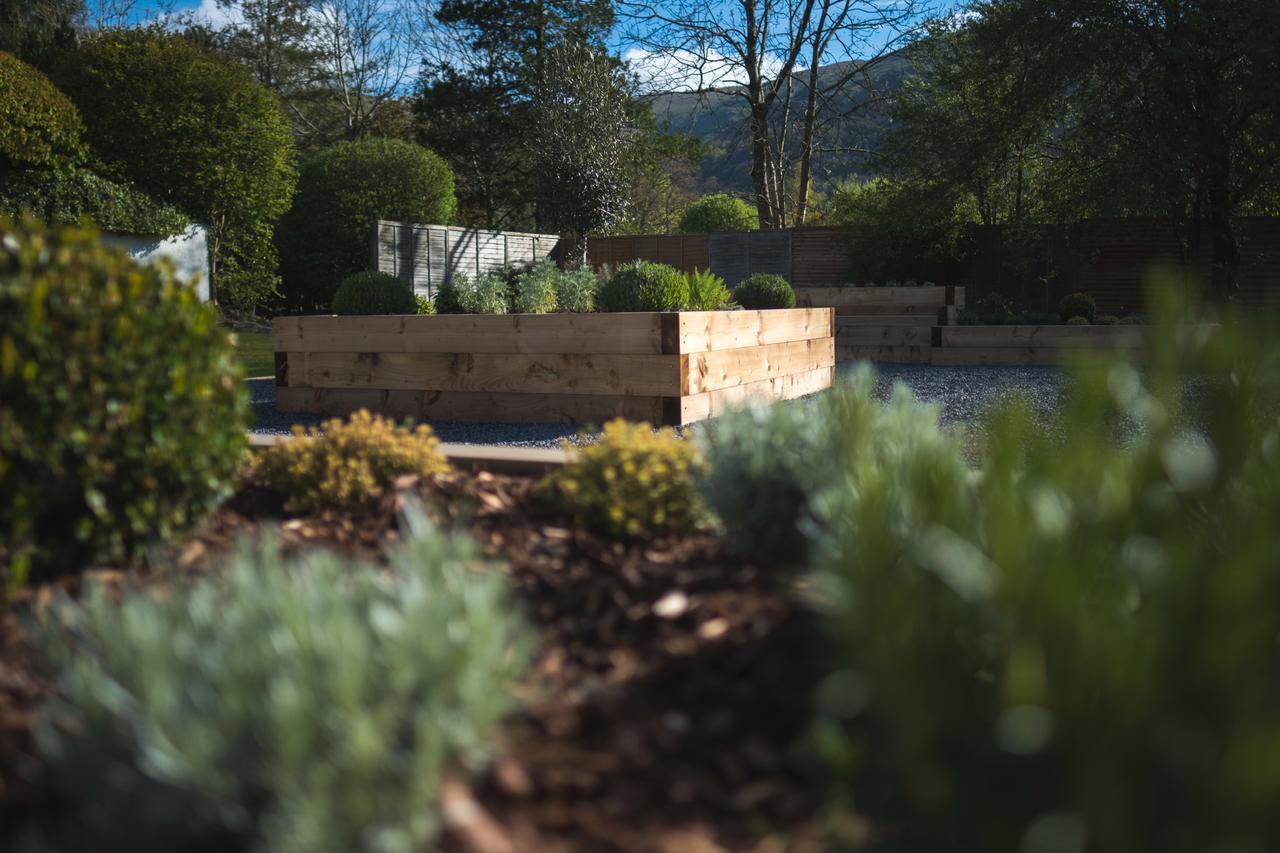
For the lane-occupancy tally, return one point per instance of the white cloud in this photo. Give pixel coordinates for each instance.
(685, 71)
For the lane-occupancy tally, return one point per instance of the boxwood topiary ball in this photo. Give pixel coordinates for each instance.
(373, 293)
(762, 290)
(645, 286)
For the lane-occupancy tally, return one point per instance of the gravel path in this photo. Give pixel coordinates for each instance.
(962, 391)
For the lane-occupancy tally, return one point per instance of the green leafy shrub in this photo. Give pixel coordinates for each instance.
(576, 291)
(1078, 321)
(634, 481)
(645, 286)
(39, 126)
(762, 465)
(762, 291)
(423, 304)
(1077, 305)
(342, 192)
(279, 705)
(485, 294)
(719, 212)
(535, 289)
(65, 198)
(373, 293)
(1106, 320)
(345, 463)
(1076, 649)
(122, 414)
(707, 291)
(1133, 320)
(195, 132)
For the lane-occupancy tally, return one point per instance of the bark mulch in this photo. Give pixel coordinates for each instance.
(664, 710)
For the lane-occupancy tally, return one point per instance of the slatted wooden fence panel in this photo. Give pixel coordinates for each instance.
(425, 256)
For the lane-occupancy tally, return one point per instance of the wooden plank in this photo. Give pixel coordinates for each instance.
(705, 331)
(847, 320)
(886, 354)
(479, 333)
(710, 404)
(997, 355)
(472, 406)
(545, 373)
(1078, 337)
(710, 371)
(497, 459)
(915, 336)
(933, 312)
(856, 297)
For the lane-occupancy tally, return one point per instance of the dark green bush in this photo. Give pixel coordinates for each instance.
(1133, 320)
(1078, 321)
(278, 705)
(64, 198)
(719, 212)
(374, 293)
(1077, 305)
(1077, 649)
(645, 286)
(39, 126)
(195, 132)
(342, 192)
(761, 291)
(122, 413)
(1106, 320)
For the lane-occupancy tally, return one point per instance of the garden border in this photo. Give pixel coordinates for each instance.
(671, 368)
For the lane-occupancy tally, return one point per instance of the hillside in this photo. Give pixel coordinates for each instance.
(852, 117)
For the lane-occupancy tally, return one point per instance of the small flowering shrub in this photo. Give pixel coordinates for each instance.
(634, 481)
(277, 705)
(424, 305)
(345, 463)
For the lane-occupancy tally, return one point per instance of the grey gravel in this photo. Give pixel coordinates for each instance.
(962, 391)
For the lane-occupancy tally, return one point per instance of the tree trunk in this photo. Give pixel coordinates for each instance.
(806, 146)
(761, 179)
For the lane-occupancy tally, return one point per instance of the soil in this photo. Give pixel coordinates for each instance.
(665, 709)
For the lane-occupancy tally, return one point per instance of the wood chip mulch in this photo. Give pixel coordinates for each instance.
(664, 710)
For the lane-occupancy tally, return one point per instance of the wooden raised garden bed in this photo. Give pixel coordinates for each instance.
(668, 368)
(1013, 345)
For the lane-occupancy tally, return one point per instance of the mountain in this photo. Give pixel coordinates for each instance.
(852, 115)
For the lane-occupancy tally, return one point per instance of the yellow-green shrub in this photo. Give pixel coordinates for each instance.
(634, 481)
(345, 463)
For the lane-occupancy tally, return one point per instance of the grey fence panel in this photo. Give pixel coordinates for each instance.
(425, 256)
(735, 255)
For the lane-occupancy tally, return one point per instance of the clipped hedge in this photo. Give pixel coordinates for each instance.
(122, 413)
(645, 286)
(39, 126)
(278, 705)
(373, 293)
(763, 291)
(64, 198)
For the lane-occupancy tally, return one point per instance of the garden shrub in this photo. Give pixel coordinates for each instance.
(634, 481)
(488, 293)
(707, 291)
(1078, 321)
(645, 286)
(535, 289)
(576, 291)
(278, 705)
(762, 291)
(423, 305)
(1106, 320)
(122, 413)
(374, 293)
(39, 126)
(65, 198)
(1075, 650)
(342, 192)
(719, 212)
(763, 463)
(195, 132)
(1077, 305)
(1133, 320)
(343, 464)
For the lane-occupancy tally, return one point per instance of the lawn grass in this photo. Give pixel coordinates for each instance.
(256, 353)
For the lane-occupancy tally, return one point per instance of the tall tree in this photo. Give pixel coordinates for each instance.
(583, 137)
(35, 31)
